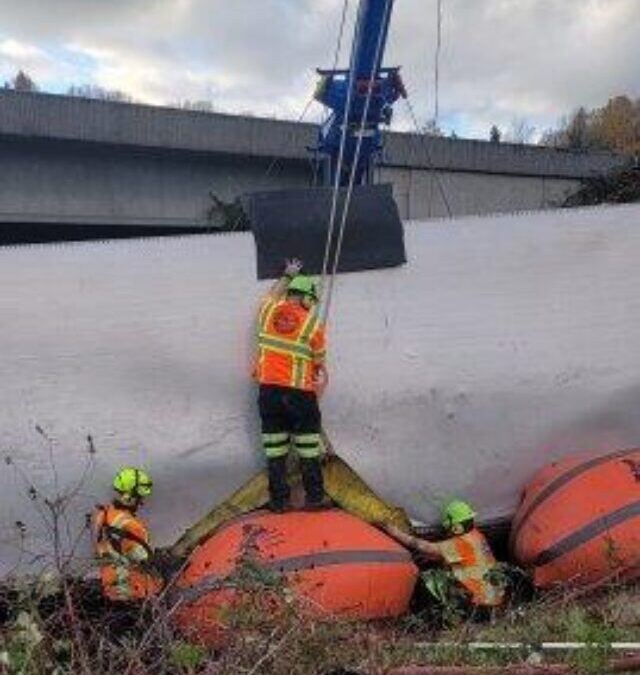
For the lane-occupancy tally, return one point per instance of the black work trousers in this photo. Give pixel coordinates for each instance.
(291, 417)
(284, 409)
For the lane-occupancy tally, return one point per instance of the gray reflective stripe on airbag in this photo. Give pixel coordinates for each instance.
(587, 533)
(293, 564)
(561, 481)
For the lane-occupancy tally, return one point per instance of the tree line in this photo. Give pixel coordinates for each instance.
(25, 83)
(615, 126)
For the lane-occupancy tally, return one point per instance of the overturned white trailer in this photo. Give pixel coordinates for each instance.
(504, 342)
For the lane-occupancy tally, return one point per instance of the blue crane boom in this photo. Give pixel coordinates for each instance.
(310, 223)
(386, 87)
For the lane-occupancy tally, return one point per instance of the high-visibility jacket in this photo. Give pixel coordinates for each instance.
(291, 343)
(122, 547)
(470, 559)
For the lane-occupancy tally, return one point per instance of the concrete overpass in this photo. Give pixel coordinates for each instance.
(72, 162)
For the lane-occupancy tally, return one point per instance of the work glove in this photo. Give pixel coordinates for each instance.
(292, 267)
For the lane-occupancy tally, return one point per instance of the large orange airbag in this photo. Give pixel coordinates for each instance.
(334, 563)
(579, 520)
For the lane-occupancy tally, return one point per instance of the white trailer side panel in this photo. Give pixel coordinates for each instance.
(504, 342)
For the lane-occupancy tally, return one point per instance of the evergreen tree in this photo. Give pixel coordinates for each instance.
(22, 82)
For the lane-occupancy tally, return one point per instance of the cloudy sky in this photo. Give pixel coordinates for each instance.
(502, 61)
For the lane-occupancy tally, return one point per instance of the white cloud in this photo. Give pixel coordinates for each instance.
(17, 55)
(14, 49)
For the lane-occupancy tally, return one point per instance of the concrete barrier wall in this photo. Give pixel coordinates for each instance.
(423, 194)
(70, 160)
(90, 121)
(44, 181)
(53, 182)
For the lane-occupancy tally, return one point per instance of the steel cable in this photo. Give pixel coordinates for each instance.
(336, 183)
(347, 201)
(427, 152)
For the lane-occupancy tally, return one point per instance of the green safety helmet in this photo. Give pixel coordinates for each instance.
(457, 512)
(134, 482)
(304, 285)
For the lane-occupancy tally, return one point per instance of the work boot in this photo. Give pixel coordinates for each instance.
(313, 483)
(279, 492)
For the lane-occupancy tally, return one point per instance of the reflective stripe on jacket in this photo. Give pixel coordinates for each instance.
(470, 559)
(122, 544)
(291, 342)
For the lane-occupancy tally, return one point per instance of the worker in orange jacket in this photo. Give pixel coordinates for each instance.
(468, 562)
(123, 547)
(291, 373)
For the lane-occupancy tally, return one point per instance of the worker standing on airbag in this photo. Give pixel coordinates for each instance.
(290, 369)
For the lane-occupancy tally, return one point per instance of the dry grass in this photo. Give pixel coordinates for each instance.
(68, 629)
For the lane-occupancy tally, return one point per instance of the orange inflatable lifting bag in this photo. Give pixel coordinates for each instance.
(334, 563)
(579, 520)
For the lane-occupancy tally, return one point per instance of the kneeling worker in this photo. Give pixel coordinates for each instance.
(466, 556)
(291, 374)
(122, 541)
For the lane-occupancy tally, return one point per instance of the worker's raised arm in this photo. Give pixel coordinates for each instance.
(427, 548)
(291, 268)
